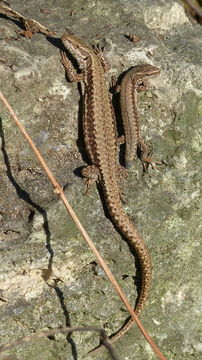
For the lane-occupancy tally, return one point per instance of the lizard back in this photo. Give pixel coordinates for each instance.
(100, 139)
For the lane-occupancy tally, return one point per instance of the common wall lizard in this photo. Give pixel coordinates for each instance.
(101, 145)
(134, 80)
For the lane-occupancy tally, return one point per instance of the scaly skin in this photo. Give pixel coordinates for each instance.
(100, 140)
(128, 101)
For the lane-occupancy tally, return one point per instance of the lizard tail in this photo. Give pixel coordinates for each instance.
(136, 242)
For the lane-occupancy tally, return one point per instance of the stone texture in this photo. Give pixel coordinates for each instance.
(49, 277)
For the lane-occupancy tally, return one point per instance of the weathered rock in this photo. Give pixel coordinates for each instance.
(49, 277)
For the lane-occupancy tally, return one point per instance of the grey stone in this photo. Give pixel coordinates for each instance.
(49, 278)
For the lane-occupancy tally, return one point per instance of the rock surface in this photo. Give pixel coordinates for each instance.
(48, 276)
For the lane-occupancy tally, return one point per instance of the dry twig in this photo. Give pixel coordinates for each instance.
(64, 330)
(31, 26)
(59, 191)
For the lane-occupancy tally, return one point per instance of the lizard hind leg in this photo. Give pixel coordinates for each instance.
(145, 155)
(91, 174)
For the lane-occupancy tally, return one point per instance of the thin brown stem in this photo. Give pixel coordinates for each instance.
(53, 332)
(100, 260)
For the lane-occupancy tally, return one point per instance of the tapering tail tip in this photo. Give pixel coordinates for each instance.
(128, 164)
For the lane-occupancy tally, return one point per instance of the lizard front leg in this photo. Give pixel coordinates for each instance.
(70, 70)
(91, 174)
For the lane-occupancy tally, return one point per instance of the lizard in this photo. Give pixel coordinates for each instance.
(101, 146)
(132, 82)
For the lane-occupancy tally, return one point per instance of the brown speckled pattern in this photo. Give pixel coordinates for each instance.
(100, 139)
